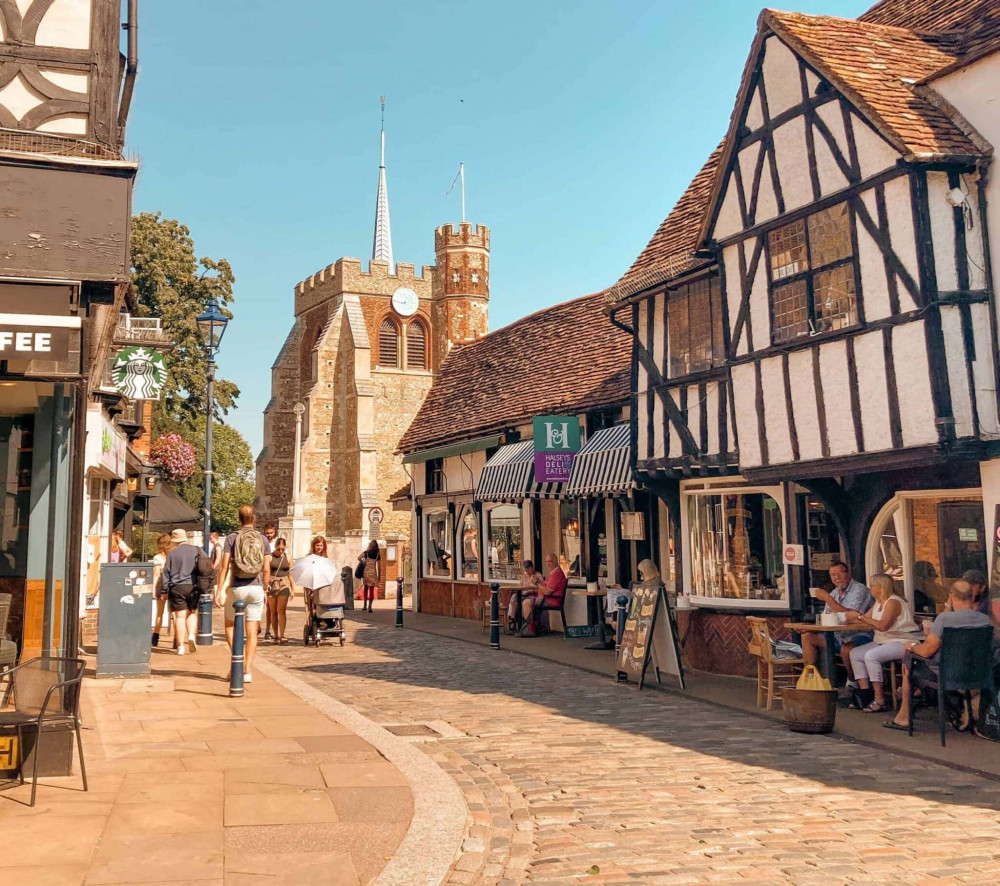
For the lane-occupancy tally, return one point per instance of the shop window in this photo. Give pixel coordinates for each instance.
(467, 545)
(570, 535)
(736, 546)
(388, 344)
(437, 545)
(416, 345)
(434, 475)
(812, 270)
(694, 327)
(504, 536)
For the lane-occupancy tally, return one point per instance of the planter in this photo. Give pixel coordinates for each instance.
(810, 710)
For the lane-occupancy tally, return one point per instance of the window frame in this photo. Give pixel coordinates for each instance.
(808, 277)
(400, 344)
(449, 534)
(425, 363)
(459, 550)
(434, 476)
(715, 296)
(488, 542)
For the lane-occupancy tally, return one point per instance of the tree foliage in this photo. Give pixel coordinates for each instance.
(171, 283)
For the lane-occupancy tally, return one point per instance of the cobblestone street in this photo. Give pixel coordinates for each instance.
(569, 778)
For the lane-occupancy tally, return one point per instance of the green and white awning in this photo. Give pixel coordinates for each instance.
(602, 468)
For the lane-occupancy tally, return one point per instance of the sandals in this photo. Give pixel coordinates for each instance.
(890, 724)
(875, 708)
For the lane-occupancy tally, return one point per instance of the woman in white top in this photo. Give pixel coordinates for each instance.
(893, 622)
(163, 546)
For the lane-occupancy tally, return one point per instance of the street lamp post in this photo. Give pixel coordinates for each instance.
(211, 325)
(299, 410)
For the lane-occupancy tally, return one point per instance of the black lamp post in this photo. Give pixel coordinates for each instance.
(211, 325)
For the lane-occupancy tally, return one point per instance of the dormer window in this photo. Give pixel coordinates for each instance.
(694, 327)
(812, 268)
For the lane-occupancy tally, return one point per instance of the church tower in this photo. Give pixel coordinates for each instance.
(461, 286)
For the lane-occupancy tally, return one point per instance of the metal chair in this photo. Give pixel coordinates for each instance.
(777, 669)
(46, 692)
(965, 663)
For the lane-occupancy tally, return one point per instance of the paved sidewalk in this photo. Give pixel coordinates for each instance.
(572, 779)
(190, 786)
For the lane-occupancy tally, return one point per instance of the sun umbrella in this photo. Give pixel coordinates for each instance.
(314, 572)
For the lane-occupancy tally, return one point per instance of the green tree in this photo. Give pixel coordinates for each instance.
(174, 285)
(232, 469)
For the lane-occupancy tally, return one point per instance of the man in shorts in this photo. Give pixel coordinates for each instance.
(182, 595)
(244, 581)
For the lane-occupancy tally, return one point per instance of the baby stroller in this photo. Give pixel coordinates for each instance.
(326, 613)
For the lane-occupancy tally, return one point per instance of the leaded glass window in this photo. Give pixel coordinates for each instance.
(812, 267)
(694, 328)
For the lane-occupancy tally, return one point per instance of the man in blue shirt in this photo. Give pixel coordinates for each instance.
(847, 595)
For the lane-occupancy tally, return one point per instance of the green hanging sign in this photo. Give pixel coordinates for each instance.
(139, 373)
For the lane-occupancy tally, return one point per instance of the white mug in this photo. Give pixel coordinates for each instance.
(813, 592)
(829, 619)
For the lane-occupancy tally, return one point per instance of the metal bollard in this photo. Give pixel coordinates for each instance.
(399, 602)
(621, 608)
(239, 649)
(347, 577)
(495, 615)
(204, 637)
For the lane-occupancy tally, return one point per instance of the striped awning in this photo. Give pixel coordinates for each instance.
(509, 476)
(602, 467)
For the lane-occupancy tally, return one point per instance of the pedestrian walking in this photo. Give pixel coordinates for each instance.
(120, 552)
(371, 574)
(246, 571)
(182, 595)
(163, 546)
(270, 629)
(279, 590)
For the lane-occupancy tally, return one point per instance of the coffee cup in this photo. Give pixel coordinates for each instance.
(814, 592)
(841, 618)
(829, 619)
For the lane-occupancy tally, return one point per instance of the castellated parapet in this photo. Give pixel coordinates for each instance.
(346, 275)
(461, 286)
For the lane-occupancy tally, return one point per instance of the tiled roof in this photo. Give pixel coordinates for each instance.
(931, 16)
(567, 358)
(670, 252)
(874, 65)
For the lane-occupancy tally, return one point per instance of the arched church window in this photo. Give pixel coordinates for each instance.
(388, 344)
(416, 345)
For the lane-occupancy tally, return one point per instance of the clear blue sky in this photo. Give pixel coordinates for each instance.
(580, 123)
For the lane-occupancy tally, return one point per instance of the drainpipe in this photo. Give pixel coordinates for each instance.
(131, 66)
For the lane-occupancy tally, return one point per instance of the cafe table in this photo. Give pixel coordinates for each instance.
(597, 601)
(805, 627)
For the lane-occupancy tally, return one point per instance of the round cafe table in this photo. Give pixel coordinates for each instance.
(830, 657)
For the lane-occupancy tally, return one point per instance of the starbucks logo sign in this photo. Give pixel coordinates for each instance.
(139, 373)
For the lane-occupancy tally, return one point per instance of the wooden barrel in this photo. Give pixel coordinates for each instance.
(809, 710)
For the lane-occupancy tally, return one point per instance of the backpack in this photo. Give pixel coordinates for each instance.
(248, 553)
(204, 572)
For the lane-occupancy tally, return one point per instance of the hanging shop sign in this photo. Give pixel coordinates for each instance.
(105, 446)
(139, 373)
(556, 441)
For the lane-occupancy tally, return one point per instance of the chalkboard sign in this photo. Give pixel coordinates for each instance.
(649, 636)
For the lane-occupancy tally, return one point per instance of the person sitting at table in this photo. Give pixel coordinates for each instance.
(549, 594)
(847, 595)
(962, 614)
(527, 584)
(892, 621)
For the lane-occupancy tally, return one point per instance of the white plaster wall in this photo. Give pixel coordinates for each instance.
(830, 177)
(712, 411)
(71, 80)
(744, 403)
(675, 449)
(899, 209)
(66, 24)
(982, 367)
(19, 97)
(837, 398)
(767, 202)
(916, 409)
(66, 124)
(755, 116)
(731, 259)
(974, 237)
(728, 221)
(800, 375)
(694, 412)
(642, 382)
(658, 439)
(875, 154)
(781, 77)
(942, 230)
(779, 441)
(659, 333)
(759, 307)
(873, 282)
(954, 346)
(793, 163)
(748, 162)
(869, 358)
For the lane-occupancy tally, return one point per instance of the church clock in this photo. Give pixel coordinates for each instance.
(405, 302)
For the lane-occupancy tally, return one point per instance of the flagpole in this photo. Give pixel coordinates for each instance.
(461, 173)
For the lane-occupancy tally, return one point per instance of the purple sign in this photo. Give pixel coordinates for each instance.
(553, 467)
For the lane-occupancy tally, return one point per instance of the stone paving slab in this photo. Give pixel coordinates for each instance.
(190, 786)
(571, 779)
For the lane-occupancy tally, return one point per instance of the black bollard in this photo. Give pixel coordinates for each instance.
(621, 607)
(204, 637)
(494, 615)
(399, 602)
(239, 650)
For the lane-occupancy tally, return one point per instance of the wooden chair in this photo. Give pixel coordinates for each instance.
(781, 672)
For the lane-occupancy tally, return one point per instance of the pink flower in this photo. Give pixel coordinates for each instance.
(174, 456)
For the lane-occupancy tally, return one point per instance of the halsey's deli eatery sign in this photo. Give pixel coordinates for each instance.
(557, 441)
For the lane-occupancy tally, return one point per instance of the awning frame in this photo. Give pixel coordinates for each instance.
(466, 446)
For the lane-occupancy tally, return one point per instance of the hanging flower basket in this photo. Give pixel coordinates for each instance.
(174, 456)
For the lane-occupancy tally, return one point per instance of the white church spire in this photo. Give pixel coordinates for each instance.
(382, 242)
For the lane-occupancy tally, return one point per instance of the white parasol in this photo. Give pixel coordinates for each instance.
(314, 572)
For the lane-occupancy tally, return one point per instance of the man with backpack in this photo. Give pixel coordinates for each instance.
(243, 574)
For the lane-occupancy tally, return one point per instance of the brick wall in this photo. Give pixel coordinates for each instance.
(717, 641)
